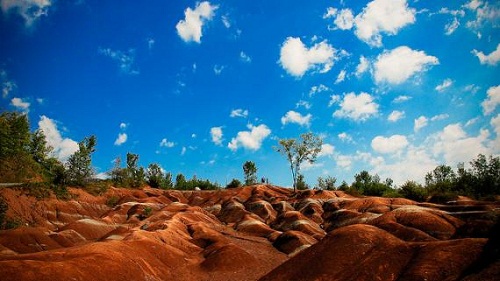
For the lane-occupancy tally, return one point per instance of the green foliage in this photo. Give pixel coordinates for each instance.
(234, 184)
(301, 184)
(79, 171)
(250, 172)
(369, 185)
(327, 183)
(298, 152)
(180, 182)
(413, 191)
(135, 176)
(112, 201)
(154, 175)
(440, 180)
(97, 187)
(391, 193)
(167, 181)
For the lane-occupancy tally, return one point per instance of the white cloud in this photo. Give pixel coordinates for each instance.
(443, 86)
(452, 26)
(495, 123)
(330, 13)
(123, 126)
(401, 63)
(218, 69)
(485, 13)
(20, 104)
(183, 150)
(297, 59)
(391, 144)
(456, 146)
(362, 66)
(244, 57)
(419, 123)
(341, 76)
(318, 89)
(297, 118)
(62, 147)
(345, 137)
(190, 28)
(8, 86)
(357, 107)
(304, 104)
(226, 22)
(121, 139)
(326, 150)
(492, 59)
(239, 113)
(493, 99)
(472, 88)
(382, 16)
(165, 143)
(29, 10)
(344, 161)
(396, 115)
(400, 99)
(344, 19)
(216, 134)
(125, 60)
(440, 117)
(252, 139)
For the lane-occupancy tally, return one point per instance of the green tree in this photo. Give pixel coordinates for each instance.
(250, 172)
(299, 151)
(301, 184)
(155, 175)
(180, 182)
(327, 183)
(79, 165)
(369, 185)
(136, 175)
(441, 179)
(413, 191)
(234, 183)
(485, 176)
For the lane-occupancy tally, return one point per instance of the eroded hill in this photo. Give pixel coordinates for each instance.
(250, 233)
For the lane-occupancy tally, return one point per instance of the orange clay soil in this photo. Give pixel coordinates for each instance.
(261, 232)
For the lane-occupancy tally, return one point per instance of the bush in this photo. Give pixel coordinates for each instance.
(413, 191)
(234, 183)
(97, 188)
(392, 193)
(112, 201)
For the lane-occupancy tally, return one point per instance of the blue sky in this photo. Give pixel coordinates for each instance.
(394, 87)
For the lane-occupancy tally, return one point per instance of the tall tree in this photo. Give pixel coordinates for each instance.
(299, 151)
(155, 175)
(250, 172)
(79, 171)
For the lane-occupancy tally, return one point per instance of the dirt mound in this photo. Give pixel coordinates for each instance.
(244, 234)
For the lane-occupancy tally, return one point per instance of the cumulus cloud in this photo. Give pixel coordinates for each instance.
(344, 19)
(297, 59)
(443, 86)
(303, 103)
(318, 89)
(495, 123)
(398, 65)
(62, 147)
(251, 139)
(165, 143)
(493, 99)
(341, 76)
(401, 99)
(451, 27)
(357, 107)
(190, 28)
(7, 85)
(216, 134)
(440, 117)
(239, 113)
(125, 60)
(30, 10)
(297, 118)
(396, 115)
(492, 59)
(345, 137)
(123, 126)
(121, 139)
(326, 150)
(20, 104)
(362, 66)
(382, 17)
(419, 123)
(391, 144)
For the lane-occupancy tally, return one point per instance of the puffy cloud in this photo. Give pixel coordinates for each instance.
(190, 28)
(297, 59)
(485, 13)
(20, 104)
(495, 123)
(123, 126)
(297, 118)
(121, 139)
(456, 146)
(62, 147)
(344, 19)
(391, 144)
(440, 117)
(326, 150)
(165, 143)
(29, 10)
(493, 99)
(304, 104)
(345, 137)
(443, 86)
(216, 134)
(344, 161)
(125, 60)
(382, 16)
(7, 85)
(419, 123)
(399, 64)
(400, 99)
(492, 59)
(396, 115)
(362, 66)
(357, 107)
(218, 69)
(239, 113)
(318, 89)
(451, 27)
(251, 139)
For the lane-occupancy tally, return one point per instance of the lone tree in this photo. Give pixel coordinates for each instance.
(250, 171)
(79, 164)
(299, 151)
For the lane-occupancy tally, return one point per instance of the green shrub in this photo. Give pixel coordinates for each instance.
(112, 201)
(413, 191)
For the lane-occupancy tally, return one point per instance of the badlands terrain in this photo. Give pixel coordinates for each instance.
(260, 232)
